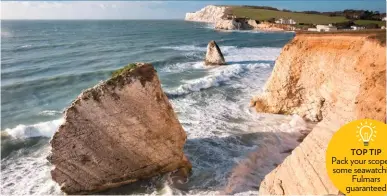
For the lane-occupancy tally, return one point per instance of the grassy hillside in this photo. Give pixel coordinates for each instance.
(365, 22)
(263, 14)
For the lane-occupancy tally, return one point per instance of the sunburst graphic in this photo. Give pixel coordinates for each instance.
(366, 132)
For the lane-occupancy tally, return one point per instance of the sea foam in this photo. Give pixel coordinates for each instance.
(215, 78)
(240, 60)
(43, 129)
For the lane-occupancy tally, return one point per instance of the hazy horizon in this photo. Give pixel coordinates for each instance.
(152, 10)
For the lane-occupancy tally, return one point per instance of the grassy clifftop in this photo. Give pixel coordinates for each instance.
(265, 14)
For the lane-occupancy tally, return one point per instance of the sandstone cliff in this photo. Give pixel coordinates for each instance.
(331, 78)
(117, 132)
(210, 14)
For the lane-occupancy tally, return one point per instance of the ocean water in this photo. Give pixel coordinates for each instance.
(46, 64)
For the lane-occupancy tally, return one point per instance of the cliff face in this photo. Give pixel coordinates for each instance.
(331, 78)
(209, 14)
(218, 16)
(117, 132)
(233, 24)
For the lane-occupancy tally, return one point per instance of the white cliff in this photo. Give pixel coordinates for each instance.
(222, 18)
(209, 14)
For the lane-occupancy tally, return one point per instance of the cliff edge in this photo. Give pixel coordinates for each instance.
(329, 78)
(121, 130)
(223, 19)
(209, 14)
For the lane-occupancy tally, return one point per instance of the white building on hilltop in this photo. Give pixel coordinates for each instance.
(323, 28)
(357, 27)
(285, 21)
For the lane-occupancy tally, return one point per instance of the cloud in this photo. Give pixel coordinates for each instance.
(97, 9)
(87, 10)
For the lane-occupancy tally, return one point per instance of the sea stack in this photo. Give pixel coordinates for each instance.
(121, 130)
(214, 56)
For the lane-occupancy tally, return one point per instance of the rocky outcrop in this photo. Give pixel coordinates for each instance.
(266, 26)
(209, 14)
(232, 24)
(331, 78)
(119, 131)
(214, 56)
(248, 24)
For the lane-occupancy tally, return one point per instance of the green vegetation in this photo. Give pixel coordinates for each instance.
(303, 18)
(124, 69)
(261, 14)
(367, 22)
(379, 36)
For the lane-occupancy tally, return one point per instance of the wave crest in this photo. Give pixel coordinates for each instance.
(43, 129)
(219, 75)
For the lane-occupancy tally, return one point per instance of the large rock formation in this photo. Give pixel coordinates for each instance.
(209, 14)
(214, 56)
(332, 78)
(248, 24)
(233, 24)
(266, 26)
(119, 131)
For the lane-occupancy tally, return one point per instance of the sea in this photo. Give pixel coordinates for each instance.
(46, 64)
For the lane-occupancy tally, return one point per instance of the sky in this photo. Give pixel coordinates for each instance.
(68, 10)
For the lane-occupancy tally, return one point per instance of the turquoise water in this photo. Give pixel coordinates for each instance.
(46, 64)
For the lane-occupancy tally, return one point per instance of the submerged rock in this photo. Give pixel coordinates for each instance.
(214, 56)
(119, 131)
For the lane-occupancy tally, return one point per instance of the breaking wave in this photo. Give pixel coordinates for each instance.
(218, 76)
(43, 129)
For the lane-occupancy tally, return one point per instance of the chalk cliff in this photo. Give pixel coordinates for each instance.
(121, 130)
(209, 14)
(222, 18)
(233, 24)
(330, 78)
(214, 56)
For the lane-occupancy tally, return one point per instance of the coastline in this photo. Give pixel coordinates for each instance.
(211, 103)
(218, 123)
(220, 17)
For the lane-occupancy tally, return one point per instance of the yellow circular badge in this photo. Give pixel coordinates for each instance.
(356, 158)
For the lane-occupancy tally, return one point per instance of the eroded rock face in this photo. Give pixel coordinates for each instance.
(233, 24)
(227, 25)
(331, 78)
(119, 131)
(214, 56)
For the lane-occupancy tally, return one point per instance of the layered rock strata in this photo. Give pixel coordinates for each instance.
(330, 78)
(121, 130)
